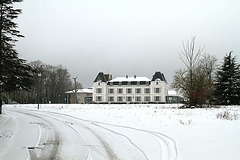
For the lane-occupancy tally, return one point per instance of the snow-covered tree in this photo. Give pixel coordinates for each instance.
(14, 72)
(227, 86)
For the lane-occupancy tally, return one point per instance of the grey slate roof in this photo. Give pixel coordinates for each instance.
(159, 75)
(102, 77)
(105, 77)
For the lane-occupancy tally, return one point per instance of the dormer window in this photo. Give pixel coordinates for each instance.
(157, 81)
(124, 83)
(147, 83)
(138, 83)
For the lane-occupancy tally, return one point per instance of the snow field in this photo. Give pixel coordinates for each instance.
(182, 134)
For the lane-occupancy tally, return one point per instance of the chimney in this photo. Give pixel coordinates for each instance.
(110, 77)
(126, 76)
(135, 76)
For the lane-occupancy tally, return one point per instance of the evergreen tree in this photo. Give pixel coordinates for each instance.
(14, 72)
(227, 86)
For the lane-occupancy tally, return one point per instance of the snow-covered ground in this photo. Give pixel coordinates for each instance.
(119, 132)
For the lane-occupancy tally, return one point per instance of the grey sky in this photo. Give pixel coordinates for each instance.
(125, 37)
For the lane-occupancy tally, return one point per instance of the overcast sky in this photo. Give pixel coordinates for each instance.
(125, 37)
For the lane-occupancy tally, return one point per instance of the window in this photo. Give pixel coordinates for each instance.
(119, 99)
(120, 90)
(110, 99)
(146, 83)
(111, 83)
(133, 83)
(157, 98)
(157, 90)
(99, 90)
(138, 90)
(142, 82)
(129, 90)
(129, 99)
(99, 98)
(115, 83)
(138, 99)
(147, 90)
(124, 83)
(147, 98)
(111, 90)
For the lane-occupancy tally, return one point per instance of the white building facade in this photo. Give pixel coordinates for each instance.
(130, 89)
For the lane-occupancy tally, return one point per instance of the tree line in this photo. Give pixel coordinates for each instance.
(51, 83)
(202, 81)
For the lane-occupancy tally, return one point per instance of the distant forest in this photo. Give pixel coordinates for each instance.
(50, 84)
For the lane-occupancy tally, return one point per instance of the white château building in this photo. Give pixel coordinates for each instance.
(130, 89)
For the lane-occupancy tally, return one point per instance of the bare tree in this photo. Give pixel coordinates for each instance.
(190, 57)
(208, 65)
(196, 79)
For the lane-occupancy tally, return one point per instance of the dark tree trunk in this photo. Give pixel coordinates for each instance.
(0, 106)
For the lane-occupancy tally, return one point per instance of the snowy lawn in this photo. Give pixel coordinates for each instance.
(199, 134)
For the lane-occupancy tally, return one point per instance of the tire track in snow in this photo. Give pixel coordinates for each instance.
(166, 140)
(54, 140)
(169, 143)
(171, 147)
(129, 139)
(109, 153)
(108, 149)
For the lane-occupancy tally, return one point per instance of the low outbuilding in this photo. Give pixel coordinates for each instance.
(174, 97)
(84, 96)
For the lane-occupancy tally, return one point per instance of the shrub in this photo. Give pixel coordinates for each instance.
(227, 115)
